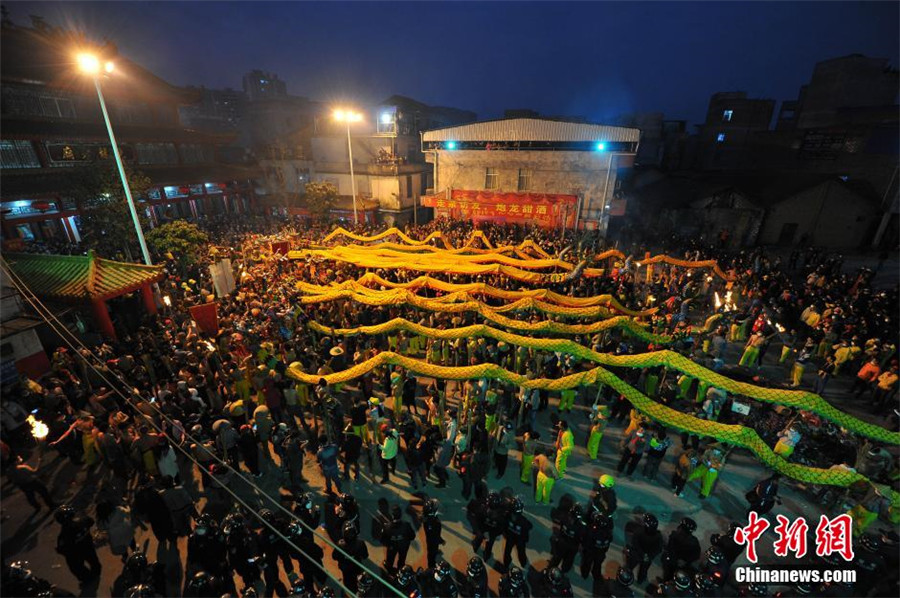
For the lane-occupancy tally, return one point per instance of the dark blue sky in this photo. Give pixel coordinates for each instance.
(588, 59)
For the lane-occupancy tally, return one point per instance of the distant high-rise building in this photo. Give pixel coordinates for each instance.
(260, 85)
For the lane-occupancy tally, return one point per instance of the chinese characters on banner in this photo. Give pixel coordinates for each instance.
(544, 209)
(833, 536)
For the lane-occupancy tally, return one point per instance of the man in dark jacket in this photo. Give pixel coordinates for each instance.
(597, 538)
(566, 540)
(398, 537)
(76, 544)
(682, 549)
(646, 543)
(356, 548)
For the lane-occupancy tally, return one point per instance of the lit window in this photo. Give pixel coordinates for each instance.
(726, 115)
(491, 178)
(720, 138)
(524, 179)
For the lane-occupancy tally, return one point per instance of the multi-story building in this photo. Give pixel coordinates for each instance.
(724, 140)
(260, 85)
(52, 125)
(388, 165)
(529, 170)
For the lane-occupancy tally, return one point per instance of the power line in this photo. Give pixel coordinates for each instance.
(20, 286)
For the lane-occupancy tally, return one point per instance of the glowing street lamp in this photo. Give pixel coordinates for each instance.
(349, 116)
(90, 65)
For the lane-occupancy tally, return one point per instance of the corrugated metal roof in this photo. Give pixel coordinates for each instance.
(80, 277)
(533, 129)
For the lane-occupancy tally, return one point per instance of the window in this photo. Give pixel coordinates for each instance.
(193, 154)
(720, 138)
(18, 154)
(156, 153)
(137, 114)
(491, 178)
(524, 179)
(408, 186)
(24, 102)
(726, 115)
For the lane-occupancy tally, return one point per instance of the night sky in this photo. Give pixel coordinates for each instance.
(595, 60)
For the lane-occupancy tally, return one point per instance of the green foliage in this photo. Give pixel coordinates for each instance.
(106, 224)
(320, 197)
(184, 240)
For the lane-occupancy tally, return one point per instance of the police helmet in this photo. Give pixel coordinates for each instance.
(715, 555)
(554, 576)
(137, 561)
(349, 530)
(365, 581)
(19, 571)
(650, 521)
(688, 524)
(758, 589)
(516, 576)
(405, 575)
(682, 580)
(441, 570)
(475, 568)
(140, 591)
(625, 576)
(64, 514)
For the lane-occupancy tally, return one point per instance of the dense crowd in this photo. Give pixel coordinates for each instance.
(208, 437)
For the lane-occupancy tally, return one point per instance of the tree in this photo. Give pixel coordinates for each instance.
(106, 224)
(320, 197)
(184, 240)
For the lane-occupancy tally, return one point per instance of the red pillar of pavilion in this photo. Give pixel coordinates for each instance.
(149, 299)
(101, 315)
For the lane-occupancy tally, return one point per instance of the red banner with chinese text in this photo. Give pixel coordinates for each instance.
(544, 209)
(207, 317)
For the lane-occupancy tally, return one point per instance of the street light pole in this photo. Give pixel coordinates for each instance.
(91, 65)
(352, 178)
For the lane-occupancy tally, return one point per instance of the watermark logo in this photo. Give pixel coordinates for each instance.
(832, 536)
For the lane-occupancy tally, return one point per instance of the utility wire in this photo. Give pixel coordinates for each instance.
(21, 286)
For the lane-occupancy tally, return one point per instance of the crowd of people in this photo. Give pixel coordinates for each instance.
(208, 437)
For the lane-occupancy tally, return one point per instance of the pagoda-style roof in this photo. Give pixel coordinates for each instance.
(80, 277)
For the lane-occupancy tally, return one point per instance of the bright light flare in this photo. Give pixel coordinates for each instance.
(347, 116)
(38, 428)
(109, 66)
(89, 63)
(167, 300)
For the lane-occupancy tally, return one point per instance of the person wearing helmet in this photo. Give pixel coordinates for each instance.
(565, 444)
(397, 538)
(757, 590)
(549, 582)
(706, 586)
(615, 587)
(731, 549)
(366, 586)
(677, 587)
(243, 550)
(76, 544)
(763, 495)
(202, 585)
(645, 544)
(326, 592)
(516, 533)
(682, 549)
(308, 512)
(18, 580)
(869, 564)
(604, 498)
(474, 584)
(274, 548)
(206, 548)
(595, 544)
(438, 582)
(352, 551)
(433, 527)
(513, 584)
(716, 565)
(406, 581)
(137, 571)
(798, 590)
(493, 523)
(566, 539)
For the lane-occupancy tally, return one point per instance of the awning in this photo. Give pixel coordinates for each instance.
(80, 277)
